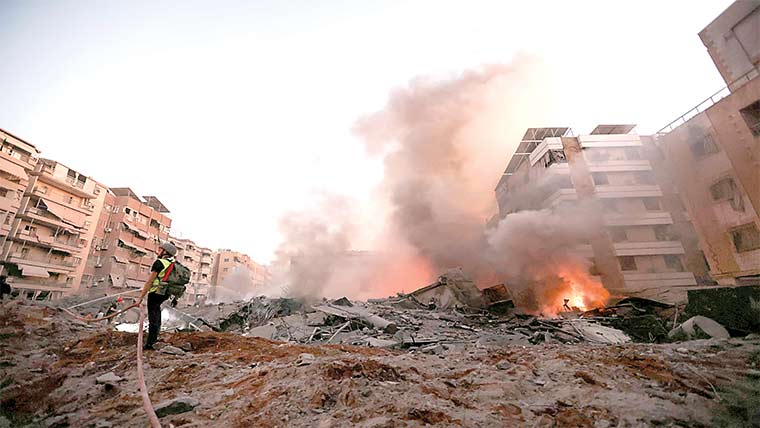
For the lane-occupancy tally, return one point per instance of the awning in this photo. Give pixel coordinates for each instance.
(120, 260)
(59, 212)
(133, 247)
(131, 283)
(13, 169)
(33, 271)
(135, 230)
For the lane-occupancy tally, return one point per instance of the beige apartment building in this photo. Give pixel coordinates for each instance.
(48, 237)
(198, 260)
(639, 250)
(713, 150)
(228, 261)
(129, 231)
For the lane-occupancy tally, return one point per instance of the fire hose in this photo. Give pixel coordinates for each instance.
(147, 405)
(141, 375)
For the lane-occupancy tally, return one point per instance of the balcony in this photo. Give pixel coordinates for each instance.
(39, 284)
(648, 248)
(39, 216)
(636, 191)
(638, 219)
(74, 182)
(620, 166)
(67, 186)
(60, 265)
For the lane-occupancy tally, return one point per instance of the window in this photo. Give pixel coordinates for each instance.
(703, 145)
(225, 269)
(662, 232)
(600, 178)
(617, 234)
(127, 210)
(652, 204)
(723, 189)
(632, 153)
(746, 238)
(24, 252)
(627, 263)
(751, 115)
(31, 229)
(226, 259)
(673, 262)
(69, 199)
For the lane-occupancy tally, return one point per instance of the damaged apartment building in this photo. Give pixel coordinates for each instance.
(644, 248)
(49, 213)
(228, 262)
(714, 150)
(129, 230)
(200, 261)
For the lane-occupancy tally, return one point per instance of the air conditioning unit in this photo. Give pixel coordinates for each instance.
(108, 230)
(99, 265)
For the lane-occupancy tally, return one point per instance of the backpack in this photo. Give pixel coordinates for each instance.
(175, 279)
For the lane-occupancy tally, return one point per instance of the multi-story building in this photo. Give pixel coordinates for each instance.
(130, 229)
(713, 150)
(227, 261)
(49, 235)
(639, 251)
(192, 256)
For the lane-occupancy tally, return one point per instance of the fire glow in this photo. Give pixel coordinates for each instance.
(577, 291)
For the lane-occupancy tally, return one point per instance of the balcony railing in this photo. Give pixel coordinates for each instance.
(46, 259)
(74, 182)
(32, 282)
(711, 100)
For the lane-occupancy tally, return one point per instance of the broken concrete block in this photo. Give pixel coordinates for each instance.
(343, 301)
(598, 333)
(58, 422)
(176, 406)
(267, 331)
(699, 326)
(432, 349)
(374, 342)
(187, 347)
(172, 350)
(108, 378)
(4, 422)
(503, 365)
(305, 359)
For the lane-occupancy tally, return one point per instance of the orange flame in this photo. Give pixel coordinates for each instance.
(581, 290)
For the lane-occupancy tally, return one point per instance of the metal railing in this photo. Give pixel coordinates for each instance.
(711, 100)
(67, 261)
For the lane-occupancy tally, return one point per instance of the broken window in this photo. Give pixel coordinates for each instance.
(663, 232)
(746, 238)
(633, 153)
(652, 204)
(673, 261)
(600, 178)
(554, 156)
(703, 145)
(617, 234)
(627, 263)
(751, 115)
(725, 190)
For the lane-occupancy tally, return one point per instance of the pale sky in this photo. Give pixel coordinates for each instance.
(235, 112)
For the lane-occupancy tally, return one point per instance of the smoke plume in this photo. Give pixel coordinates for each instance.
(444, 144)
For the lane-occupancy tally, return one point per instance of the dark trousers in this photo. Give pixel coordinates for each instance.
(154, 316)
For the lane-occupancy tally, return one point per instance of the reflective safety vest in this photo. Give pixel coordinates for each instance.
(160, 277)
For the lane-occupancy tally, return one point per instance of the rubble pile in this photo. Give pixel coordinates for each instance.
(459, 357)
(58, 372)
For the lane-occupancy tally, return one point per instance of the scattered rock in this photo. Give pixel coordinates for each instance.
(432, 349)
(176, 406)
(187, 346)
(172, 350)
(503, 365)
(4, 422)
(57, 422)
(699, 327)
(305, 359)
(682, 350)
(108, 378)
(103, 424)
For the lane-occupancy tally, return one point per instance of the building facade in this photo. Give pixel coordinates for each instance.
(713, 150)
(639, 249)
(48, 225)
(130, 229)
(192, 256)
